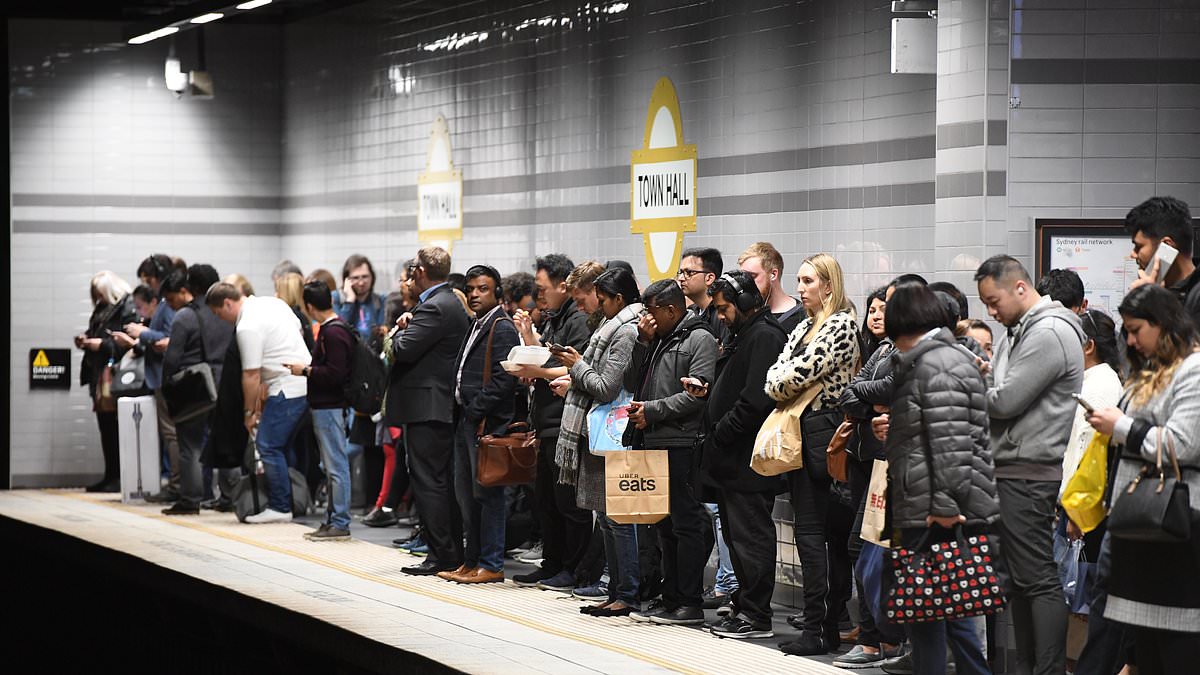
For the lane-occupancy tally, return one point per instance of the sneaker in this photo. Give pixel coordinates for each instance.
(683, 616)
(381, 517)
(414, 541)
(181, 509)
(532, 579)
(712, 599)
(533, 556)
(655, 608)
(521, 548)
(328, 533)
(858, 658)
(898, 665)
(269, 515)
(563, 582)
(597, 591)
(740, 629)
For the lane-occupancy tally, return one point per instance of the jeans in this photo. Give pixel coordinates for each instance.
(483, 508)
(871, 634)
(329, 425)
(929, 642)
(1039, 611)
(681, 536)
(726, 581)
(279, 419)
(621, 552)
(191, 435)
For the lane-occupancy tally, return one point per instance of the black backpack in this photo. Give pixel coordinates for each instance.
(368, 377)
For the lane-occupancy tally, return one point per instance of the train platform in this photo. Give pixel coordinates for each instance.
(263, 596)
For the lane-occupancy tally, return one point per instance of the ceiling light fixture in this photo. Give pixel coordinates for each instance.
(207, 18)
(253, 3)
(153, 35)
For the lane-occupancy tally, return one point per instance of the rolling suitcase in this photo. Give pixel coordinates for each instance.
(137, 424)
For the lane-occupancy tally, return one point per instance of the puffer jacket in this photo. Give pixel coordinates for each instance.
(672, 414)
(938, 412)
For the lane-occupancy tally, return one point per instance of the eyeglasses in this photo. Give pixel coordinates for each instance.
(359, 277)
(687, 274)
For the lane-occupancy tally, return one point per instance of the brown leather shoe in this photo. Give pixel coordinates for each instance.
(481, 575)
(850, 635)
(452, 575)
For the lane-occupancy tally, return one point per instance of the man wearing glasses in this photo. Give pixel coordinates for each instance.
(698, 269)
(358, 304)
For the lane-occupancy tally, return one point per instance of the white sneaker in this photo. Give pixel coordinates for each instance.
(269, 516)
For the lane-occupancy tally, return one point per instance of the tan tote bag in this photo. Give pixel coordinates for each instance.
(779, 446)
(875, 513)
(637, 486)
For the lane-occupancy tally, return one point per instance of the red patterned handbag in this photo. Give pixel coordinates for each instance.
(946, 580)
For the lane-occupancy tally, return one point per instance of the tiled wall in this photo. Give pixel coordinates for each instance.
(804, 138)
(1109, 108)
(107, 167)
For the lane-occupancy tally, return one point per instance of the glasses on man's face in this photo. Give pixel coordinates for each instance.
(686, 273)
(360, 277)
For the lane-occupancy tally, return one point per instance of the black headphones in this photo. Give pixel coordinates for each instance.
(741, 299)
(488, 270)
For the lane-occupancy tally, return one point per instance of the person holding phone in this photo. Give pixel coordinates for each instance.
(1162, 233)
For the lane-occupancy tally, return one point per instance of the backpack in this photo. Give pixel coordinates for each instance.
(368, 378)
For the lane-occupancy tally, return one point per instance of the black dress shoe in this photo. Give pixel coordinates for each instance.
(105, 486)
(181, 509)
(427, 568)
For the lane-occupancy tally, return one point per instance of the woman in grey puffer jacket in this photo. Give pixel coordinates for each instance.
(939, 467)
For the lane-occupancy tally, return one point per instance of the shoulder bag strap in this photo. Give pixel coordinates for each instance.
(487, 362)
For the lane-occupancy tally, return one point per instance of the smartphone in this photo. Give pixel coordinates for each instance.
(1086, 406)
(1166, 255)
(556, 348)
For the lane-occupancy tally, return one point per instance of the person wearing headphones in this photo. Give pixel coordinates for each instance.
(737, 407)
(1038, 366)
(484, 398)
(764, 263)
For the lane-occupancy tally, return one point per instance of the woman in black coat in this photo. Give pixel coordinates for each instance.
(112, 308)
(940, 471)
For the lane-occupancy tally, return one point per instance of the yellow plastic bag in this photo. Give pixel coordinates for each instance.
(1083, 500)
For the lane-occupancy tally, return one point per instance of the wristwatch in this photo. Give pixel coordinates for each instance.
(307, 370)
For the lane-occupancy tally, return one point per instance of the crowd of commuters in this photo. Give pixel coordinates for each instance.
(981, 435)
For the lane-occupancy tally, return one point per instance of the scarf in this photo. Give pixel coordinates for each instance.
(572, 430)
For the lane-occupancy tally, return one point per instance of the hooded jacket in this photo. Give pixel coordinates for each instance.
(1037, 366)
(672, 414)
(937, 446)
(737, 406)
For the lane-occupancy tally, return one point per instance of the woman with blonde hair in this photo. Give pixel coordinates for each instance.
(243, 284)
(112, 308)
(821, 354)
(290, 289)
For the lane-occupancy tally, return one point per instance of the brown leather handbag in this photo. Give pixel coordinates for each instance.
(511, 458)
(836, 454)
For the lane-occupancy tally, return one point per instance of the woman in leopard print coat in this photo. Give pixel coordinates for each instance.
(822, 350)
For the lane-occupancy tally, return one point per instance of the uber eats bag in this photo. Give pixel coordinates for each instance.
(637, 486)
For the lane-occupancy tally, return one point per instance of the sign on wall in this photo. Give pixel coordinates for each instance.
(49, 368)
(663, 184)
(439, 192)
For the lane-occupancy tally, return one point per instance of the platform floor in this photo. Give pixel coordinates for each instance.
(358, 586)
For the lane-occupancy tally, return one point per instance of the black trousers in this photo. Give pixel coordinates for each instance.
(810, 507)
(110, 445)
(749, 533)
(1161, 652)
(566, 528)
(431, 463)
(681, 536)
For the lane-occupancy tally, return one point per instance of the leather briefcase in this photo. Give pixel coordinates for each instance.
(510, 459)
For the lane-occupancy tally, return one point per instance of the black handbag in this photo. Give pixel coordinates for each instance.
(191, 391)
(1154, 507)
(129, 376)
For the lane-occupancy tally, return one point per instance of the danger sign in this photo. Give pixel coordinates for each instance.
(49, 368)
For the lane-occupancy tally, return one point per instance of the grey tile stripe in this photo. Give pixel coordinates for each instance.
(123, 227)
(903, 194)
(971, 184)
(1105, 71)
(970, 134)
(147, 201)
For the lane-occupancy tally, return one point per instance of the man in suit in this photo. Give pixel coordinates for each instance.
(484, 398)
(421, 395)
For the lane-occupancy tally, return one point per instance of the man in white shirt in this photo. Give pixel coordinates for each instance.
(268, 336)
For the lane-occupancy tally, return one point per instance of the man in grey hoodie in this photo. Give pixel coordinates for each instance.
(1037, 366)
(673, 344)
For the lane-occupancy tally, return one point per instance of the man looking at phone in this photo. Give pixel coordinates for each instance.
(1162, 222)
(1038, 365)
(673, 344)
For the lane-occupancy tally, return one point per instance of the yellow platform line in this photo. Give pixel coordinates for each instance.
(432, 594)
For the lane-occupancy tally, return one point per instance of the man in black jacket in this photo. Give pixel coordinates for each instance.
(421, 395)
(197, 336)
(483, 392)
(566, 528)
(737, 406)
(1165, 220)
